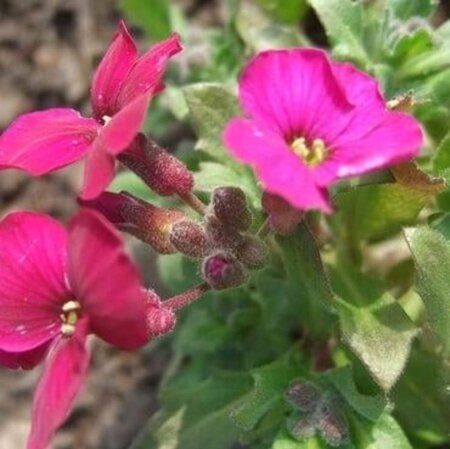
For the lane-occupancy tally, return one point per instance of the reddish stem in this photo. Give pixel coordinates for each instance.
(193, 202)
(184, 299)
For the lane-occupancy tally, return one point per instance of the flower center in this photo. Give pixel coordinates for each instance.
(69, 317)
(313, 154)
(105, 120)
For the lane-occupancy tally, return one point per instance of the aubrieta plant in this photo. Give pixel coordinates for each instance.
(323, 265)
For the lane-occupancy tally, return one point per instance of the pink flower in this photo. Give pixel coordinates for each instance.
(122, 87)
(58, 286)
(312, 121)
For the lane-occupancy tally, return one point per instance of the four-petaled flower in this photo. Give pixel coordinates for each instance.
(56, 288)
(122, 87)
(311, 122)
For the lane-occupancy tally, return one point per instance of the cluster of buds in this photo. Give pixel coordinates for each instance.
(221, 241)
(315, 411)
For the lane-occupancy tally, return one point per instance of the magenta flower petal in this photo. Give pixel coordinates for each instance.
(99, 171)
(149, 69)
(120, 131)
(114, 138)
(32, 280)
(289, 91)
(401, 139)
(43, 141)
(106, 282)
(63, 376)
(23, 360)
(111, 73)
(276, 165)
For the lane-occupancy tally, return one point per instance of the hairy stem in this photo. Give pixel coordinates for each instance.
(188, 297)
(193, 202)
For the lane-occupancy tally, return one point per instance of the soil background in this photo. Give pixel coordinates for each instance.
(48, 51)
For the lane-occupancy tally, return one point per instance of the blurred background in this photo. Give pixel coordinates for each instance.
(48, 51)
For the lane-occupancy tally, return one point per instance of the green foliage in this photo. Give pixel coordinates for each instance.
(152, 15)
(373, 324)
(211, 106)
(343, 22)
(311, 291)
(431, 251)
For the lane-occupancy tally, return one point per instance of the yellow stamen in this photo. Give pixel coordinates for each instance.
(69, 317)
(313, 154)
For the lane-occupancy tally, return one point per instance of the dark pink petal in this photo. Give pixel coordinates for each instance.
(149, 69)
(111, 73)
(99, 170)
(294, 93)
(277, 166)
(114, 138)
(123, 127)
(23, 360)
(396, 139)
(43, 141)
(105, 281)
(363, 92)
(33, 252)
(64, 373)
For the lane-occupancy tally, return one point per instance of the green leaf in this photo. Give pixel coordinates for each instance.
(310, 285)
(385, 433)
(260, 33)
(431, 252)
(152, 15)
(441, 160)
(376, 211)
(373, 324)
(197, 416)
(343, 22)
(289, 12)
(271, 382)
(371, 407)
(421, 402)
(211, 106)
(284, 441)
(212, 175)
(405, 9)
(177, 272)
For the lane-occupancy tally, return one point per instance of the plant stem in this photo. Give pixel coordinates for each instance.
(193, 202)
(264, 229)
(188, 297)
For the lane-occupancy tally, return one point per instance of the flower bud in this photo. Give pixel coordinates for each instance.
(301, 427)
(221, 271)
(222, 236)
(162, 172)
(253, 253)
(160, 319)
(189, 238)
(144, 221)
(283, 218)
(331, 423)
(303, 396)
(230, 207)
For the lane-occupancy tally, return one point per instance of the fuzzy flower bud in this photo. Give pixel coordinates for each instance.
(162, 172)
(189, 238)
(253, 253)
(230, 207)
(160, 319)
(222, 236)
(331, 423)
(304, 396)
(221, 271)
(283, 218)
(148, 223)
